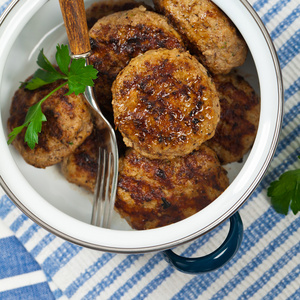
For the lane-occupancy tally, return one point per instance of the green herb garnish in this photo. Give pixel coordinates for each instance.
(74, 72)
(285, 192)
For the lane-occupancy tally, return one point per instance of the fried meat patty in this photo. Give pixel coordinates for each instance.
(208, 32)
(80, 167)
(165, 105)
(155, 193)
(117, 38)
(101, 9)
(240, 110)
(68, 124)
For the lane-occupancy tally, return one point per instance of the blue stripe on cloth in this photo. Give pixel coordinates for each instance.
(259, 284)
(6, 206)
(159, 279)
(295, 296)
(255, 262)
(18, 222)
(87, 274)
(147, 268)
(276, 172)
(291, 115)
(288, 279)
(59, 258)
(133, 280)
(168, 271)
(4, 6)
(108, 280)
(38, 291)
(29, 233)
(288, 139)
(252, 235)
(274, 10)
(57, 293)
(42, 244)
(289, 50)
(292, 90)
(14, 258)
(284, 25)
(258, 5)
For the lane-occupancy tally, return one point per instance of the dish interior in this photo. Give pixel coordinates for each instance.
(21, 63)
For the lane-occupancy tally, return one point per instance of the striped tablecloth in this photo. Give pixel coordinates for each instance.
(35, 264)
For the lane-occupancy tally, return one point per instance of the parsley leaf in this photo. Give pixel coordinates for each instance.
(74, 72)
(35, 117)
(47, 74)
(285, 192)
(79, 76)
(63, 58)
(33, 122)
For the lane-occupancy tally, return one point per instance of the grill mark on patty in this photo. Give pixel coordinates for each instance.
(238, 111)
(161, 105)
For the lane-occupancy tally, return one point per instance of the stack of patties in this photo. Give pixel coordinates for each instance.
(166, 106)
(167, 82)
(158, 84)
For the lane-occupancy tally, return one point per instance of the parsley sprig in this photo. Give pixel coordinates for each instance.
(285, 192)
(74, 73)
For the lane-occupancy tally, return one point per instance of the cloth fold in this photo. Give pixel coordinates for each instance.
(35, 264)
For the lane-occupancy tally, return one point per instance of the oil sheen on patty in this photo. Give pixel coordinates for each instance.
(165, 105)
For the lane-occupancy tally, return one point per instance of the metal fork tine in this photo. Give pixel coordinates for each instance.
(103, 190)
(96, 193)
(112, 192)
(98, 205)
(107, 201)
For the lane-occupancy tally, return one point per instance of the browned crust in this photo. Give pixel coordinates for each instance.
(81, 166)
(101, 9)
(155, 193)
(240, 110)
(208, 32)
(119, 37)
(165, 105)
(68, 124)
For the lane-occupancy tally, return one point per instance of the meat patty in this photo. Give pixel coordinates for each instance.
(103, 8)
(155, 193)
(208, 32)
(240, 109)
(165, 105)
(117, 38)
(68, 124)
(81, 166)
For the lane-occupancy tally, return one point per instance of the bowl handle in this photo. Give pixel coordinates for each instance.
(214, 260)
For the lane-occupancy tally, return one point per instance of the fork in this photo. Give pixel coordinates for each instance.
(74, 16)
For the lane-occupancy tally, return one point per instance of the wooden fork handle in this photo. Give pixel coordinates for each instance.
(74, 16)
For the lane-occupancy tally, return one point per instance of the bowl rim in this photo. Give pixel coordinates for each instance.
(159, 234)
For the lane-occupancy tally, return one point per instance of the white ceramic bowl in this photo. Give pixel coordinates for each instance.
(63, 209)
